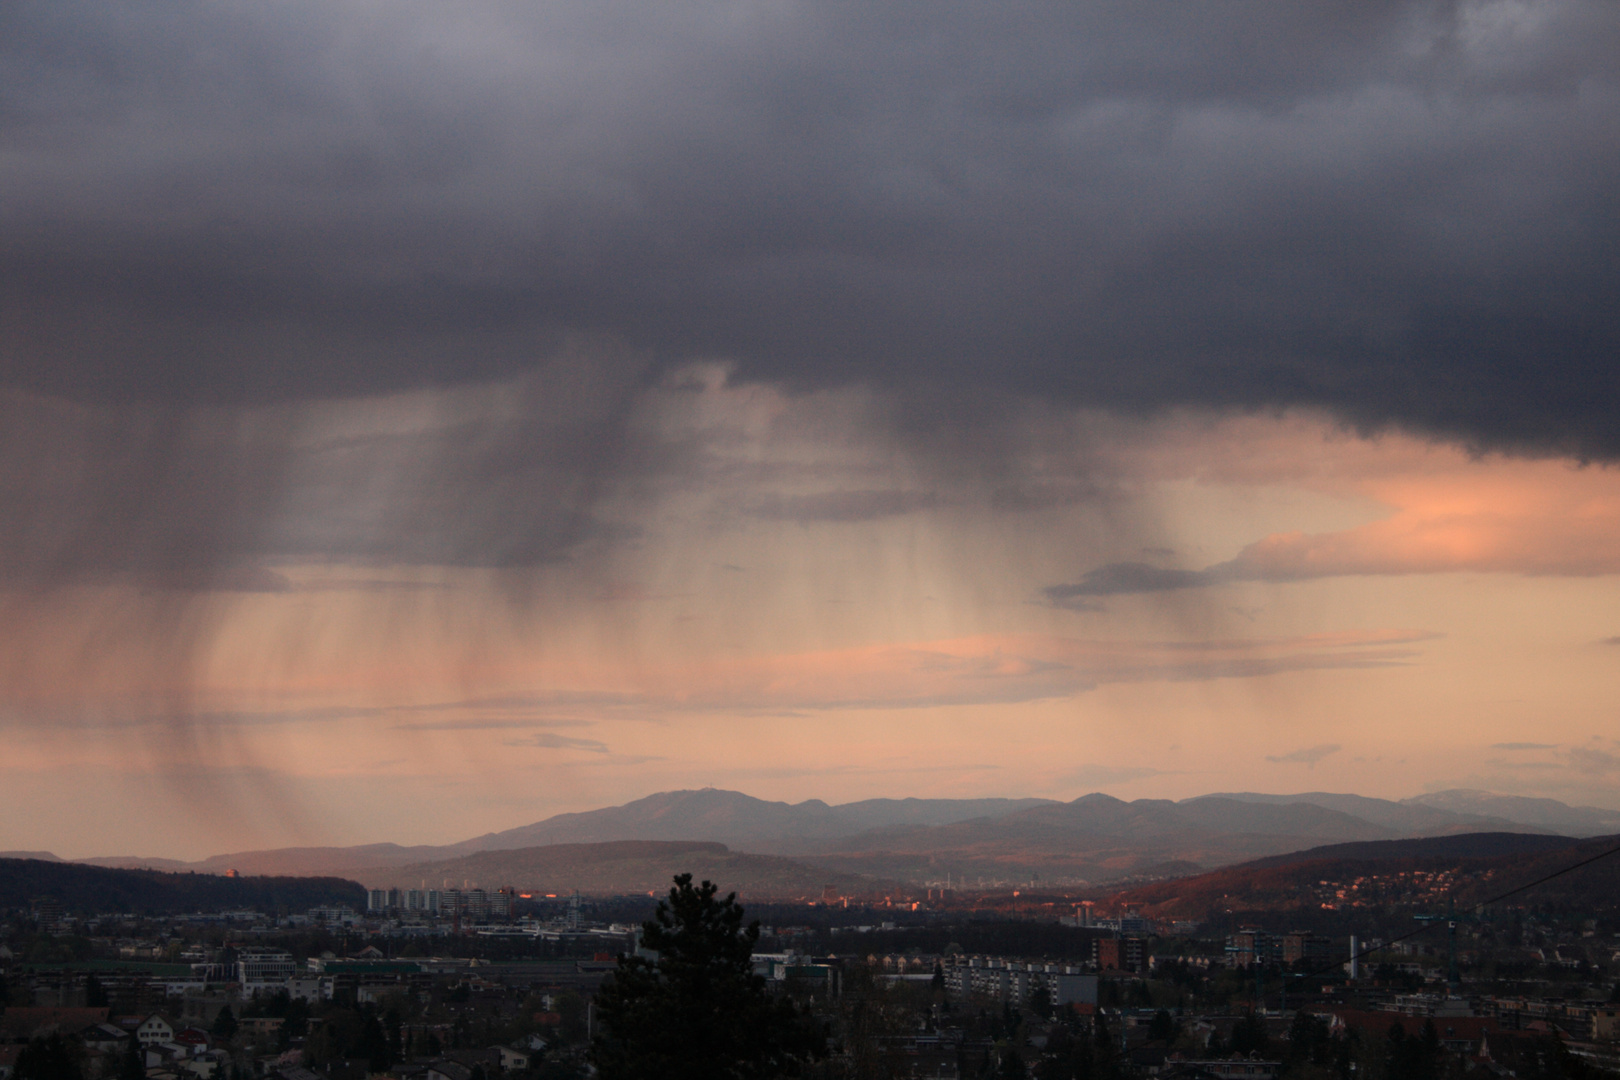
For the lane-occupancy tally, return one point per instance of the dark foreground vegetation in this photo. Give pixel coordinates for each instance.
(95, 890)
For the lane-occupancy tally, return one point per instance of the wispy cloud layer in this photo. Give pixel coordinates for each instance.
(1448, 516)
(1002, 670)
(1310, 755)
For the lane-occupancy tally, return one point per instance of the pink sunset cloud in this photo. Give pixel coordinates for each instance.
(1445, 511)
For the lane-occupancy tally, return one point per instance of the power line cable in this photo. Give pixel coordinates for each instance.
(1483, 903)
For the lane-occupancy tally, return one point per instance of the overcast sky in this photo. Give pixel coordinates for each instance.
(419, 418)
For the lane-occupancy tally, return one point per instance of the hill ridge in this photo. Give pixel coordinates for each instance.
(1094, 837)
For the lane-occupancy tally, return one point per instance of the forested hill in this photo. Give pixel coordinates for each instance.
(1486, 845)
(1574, 875)
(89, 890)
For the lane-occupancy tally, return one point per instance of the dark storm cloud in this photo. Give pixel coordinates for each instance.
(217, 214)
(1403, 212)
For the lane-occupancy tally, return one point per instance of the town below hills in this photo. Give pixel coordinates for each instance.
(1323, 886)
(780, 849)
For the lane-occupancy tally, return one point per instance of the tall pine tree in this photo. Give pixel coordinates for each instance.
(698, 1012)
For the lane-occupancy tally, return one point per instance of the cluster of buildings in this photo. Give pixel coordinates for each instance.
(1128, 923)
(264, 972)
(1014, 981)
(782, 971)
(168, 1013)
(1490, 1032)
(1252, 945)
(1408, 887)
(472, 905)
(166, 1048)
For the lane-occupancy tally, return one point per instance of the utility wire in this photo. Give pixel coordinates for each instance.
(1483, 903)
(1549, 877)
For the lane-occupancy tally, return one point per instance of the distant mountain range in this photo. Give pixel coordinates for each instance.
(1094, 838)
(743, 821)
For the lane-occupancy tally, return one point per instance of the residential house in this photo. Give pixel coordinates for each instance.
(1464, 1034)
(166, 1055)
(206, 1065)
(154, 1030)
(108, 1038)
(448, 1070)
(512, 1059)
(1606, 1023)
(261, 1027)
